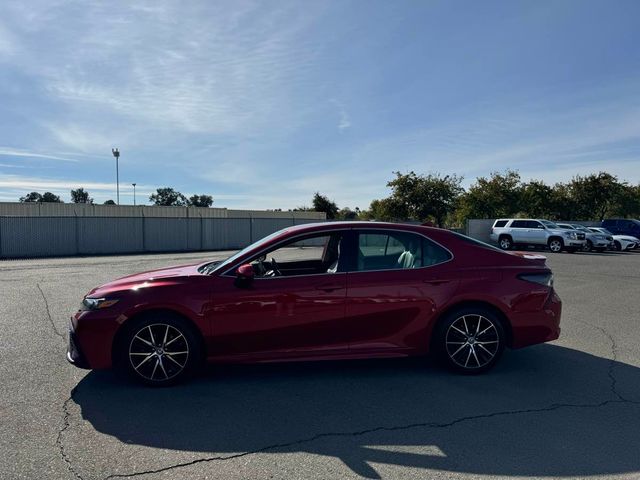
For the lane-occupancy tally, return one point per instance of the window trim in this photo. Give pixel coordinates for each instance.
(278, 245)
(350, 244)
(451, 256)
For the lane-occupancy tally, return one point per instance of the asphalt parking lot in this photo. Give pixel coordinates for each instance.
(566, 409)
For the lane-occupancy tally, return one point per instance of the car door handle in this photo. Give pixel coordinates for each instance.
(329, 287)
(436, 282)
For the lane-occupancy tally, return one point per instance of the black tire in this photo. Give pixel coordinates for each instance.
(175, 355)
(555, 244)
(588, 247)
(460, 351)
(505, 242)
(618, 246)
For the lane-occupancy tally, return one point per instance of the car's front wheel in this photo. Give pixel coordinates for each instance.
(469, 340)
(556, 245)
(158, 349)
(588, 246)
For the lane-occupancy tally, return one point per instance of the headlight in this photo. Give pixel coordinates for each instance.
(97, 303)
(572, 235)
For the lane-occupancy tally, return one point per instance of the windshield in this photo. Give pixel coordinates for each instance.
(605, 231)
(580, 227)
(549, 224)
(235, 256)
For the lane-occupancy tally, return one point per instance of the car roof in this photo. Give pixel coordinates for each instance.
(337, 225)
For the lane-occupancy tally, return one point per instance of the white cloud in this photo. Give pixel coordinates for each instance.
(11, 152)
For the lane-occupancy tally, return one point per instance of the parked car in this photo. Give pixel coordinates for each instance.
(509, 232)
(322, 291)
(594, 241)
(619, 242)
(623, 226)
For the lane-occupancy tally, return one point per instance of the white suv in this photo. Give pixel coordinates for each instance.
(508, 232)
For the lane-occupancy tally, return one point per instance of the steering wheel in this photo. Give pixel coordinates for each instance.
(274, 268)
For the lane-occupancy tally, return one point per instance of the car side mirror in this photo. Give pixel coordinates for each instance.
(244, 275)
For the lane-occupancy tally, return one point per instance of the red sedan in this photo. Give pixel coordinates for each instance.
(322, 291)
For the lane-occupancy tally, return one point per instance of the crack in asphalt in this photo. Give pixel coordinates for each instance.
(65, 425)
(319, 436)
(46, 305)
(620, 399)
(65, 405)
(612, 362)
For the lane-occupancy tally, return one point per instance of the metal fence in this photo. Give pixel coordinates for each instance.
(45, 236)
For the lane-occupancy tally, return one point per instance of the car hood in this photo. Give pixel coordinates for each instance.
(150, 278)
(559, 231)
(626, 238)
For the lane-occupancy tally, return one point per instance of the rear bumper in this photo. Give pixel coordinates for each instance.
(530, 328)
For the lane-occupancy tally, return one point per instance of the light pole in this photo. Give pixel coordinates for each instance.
(134, 194)
(116, 154)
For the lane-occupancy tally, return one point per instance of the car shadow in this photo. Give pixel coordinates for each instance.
(543, 411)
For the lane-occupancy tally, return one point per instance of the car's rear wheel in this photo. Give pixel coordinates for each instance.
(158, 349)
(470, 340)
(555, 245)
(618, 246)
(588, 246)
(505, 243)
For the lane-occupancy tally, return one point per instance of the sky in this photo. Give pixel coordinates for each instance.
(262, 103)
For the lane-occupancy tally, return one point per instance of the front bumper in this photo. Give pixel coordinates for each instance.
(74, 352)
(575, 243)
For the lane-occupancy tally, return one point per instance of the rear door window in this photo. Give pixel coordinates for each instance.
(519, 224)
(397, 251)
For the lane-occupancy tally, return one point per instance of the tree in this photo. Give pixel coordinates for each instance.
(168, 197)
(536, 199)
(323, 204)
(386, 209)
(109, 202)
(627, 202)
(425, 197)
(347, 214)
(48, 197)
(595, 194)
(493, 197)
(563, 205)
(80, 195)
(200, 201)
(31, 198)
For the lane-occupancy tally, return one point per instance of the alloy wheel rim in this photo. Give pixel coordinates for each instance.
(504, 243)
(472, 341)
(555, 246)
(158, 352)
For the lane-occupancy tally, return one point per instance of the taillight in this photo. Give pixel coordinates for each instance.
(545, 278)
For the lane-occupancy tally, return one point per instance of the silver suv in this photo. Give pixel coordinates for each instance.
(508, 232)
(594, 240)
